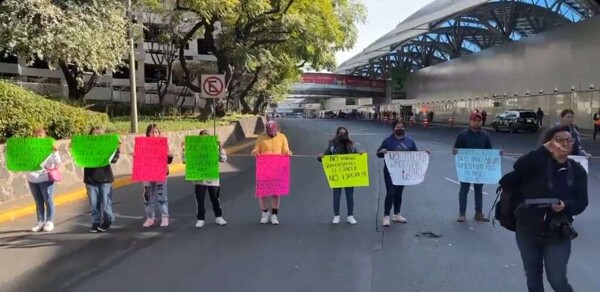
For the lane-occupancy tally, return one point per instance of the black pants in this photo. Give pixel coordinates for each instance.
(213, 193)
(596, 130)
(393, 196)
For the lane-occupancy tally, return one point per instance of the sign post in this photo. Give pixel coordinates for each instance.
(213, 87)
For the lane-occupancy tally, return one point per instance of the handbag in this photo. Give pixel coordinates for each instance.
(54, 174)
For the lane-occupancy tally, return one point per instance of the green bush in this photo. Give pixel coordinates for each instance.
(22, 110)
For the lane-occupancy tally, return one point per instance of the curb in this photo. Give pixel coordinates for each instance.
(81, 193)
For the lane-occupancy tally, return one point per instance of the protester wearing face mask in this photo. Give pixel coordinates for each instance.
(339, 145)
(472, 138)
(543, 229)
(398, 141)
(275, 143)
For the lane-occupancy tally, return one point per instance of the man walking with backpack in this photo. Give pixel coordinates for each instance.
(472, 138)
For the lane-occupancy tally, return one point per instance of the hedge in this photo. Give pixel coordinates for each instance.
(22, 110)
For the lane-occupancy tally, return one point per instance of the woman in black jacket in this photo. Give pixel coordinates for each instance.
(544, 230)
(341, 144)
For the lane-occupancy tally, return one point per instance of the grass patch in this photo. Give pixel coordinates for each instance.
(170, 124)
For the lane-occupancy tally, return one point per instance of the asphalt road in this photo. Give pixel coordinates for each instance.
(306, 252)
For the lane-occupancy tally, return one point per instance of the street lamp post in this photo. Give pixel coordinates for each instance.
(132, 75)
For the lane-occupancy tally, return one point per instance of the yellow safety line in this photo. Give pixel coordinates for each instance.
(80, 193)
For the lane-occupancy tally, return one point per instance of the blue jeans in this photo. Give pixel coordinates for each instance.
(462, 197)
(156, 192)
(536, 254)
(337, 196)
(43, 194)
(100, 202)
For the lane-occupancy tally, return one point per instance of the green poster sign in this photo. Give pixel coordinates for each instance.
(27, 154)
(93, 150)
(399, 82)
(201, 158)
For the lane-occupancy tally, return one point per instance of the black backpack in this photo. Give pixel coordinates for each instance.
(506, 202)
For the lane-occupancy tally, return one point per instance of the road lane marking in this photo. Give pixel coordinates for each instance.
(458, 183)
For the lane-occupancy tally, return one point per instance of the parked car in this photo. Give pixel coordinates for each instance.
(516, 120)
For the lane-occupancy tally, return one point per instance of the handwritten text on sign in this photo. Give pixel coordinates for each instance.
(347, 170)
(581, 160)
(27, 154)
(150, 159)
(272, 175)
(480, 166)
(93, 150)
(407, 167)
(202, 158)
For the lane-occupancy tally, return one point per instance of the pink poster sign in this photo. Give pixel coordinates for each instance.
(272, 175)
(150, 159)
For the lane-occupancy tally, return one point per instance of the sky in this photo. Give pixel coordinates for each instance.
(383, 16)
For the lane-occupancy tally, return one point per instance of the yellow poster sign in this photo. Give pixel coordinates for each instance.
(348, 170)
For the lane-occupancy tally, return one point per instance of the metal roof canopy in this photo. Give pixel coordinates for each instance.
(448, 29)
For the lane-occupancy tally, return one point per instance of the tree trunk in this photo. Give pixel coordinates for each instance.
(76, 92)
(258, 105)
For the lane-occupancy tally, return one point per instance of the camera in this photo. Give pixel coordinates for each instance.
(563, 226)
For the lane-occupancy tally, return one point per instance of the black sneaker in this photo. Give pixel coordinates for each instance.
(94, 228)
(104, 226)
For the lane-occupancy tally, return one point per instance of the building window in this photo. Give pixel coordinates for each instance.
(204, 47)
(122, 72)
(9, 59)
(39, 64)
(153, 73)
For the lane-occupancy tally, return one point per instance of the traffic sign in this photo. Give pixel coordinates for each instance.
(213, 86)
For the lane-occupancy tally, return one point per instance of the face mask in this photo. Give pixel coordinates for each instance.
(399, 132)
(272, 135)
(343, 138)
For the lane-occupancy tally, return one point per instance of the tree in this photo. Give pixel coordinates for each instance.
(83, 38)
(164, 27)
(308, 32)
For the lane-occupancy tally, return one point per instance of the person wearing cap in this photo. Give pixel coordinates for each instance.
(275, 143)
(472, 138)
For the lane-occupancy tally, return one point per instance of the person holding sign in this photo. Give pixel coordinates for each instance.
(548, 189)
(275, 143)
(98, 183)
(339, 145)
(42, 188)
(397, 141)
(156, 191)
(211, 186)
(472, 138)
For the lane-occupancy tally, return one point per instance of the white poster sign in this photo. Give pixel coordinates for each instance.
(581, 160)
(407, 167)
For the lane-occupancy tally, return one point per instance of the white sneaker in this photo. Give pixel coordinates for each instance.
(351, 220)
(265, 218)
(336, 219)
(386, 221)
(274, 220)
(200, 224)
(38, 227)
(49, 226)
(398, 218)
(220, 221)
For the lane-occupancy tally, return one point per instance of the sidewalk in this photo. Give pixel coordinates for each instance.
(24, 207)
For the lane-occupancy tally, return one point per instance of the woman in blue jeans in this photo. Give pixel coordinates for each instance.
(156, 191)
(339, 145)
(42, 189)
(98, 183)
